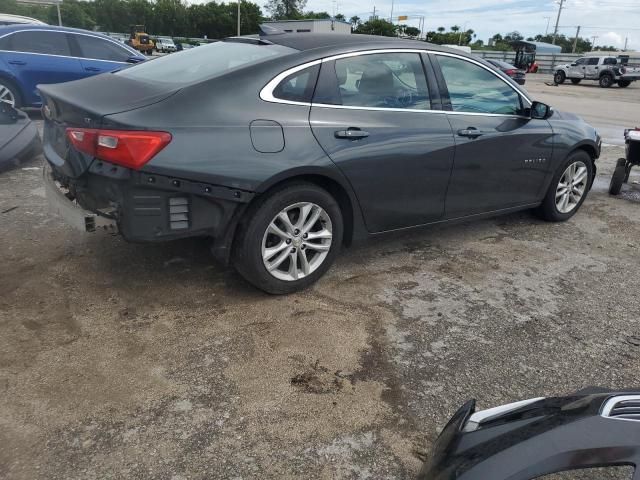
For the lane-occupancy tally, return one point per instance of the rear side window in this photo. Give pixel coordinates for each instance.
(610, 61)
(99, 49)
(203, 62)
(474, 89)
(50, 43)
(298, 87)
(381, 80)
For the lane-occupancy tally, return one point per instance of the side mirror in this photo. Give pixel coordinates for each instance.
(540, 111)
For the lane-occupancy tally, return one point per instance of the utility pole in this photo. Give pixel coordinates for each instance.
(238, 17)
(593, 42)
(555, 30)
(59, 16)
(546, 30)
(461, 32)
(391, 16)
(575, 40)
(626, 42)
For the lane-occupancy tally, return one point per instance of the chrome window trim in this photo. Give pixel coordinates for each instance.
(266, 93)
(612, 402)
(123, 46)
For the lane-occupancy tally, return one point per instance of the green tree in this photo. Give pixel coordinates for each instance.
(441, 29)
(377, 27)
(340, 17)
(412, 31)
(286, 9)
(355, 21)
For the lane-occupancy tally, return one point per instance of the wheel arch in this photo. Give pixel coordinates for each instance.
(591, 150)
(334, 183)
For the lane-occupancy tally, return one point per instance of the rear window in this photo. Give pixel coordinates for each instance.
(203, 62)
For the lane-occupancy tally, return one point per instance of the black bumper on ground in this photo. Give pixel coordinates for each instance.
(525, 440)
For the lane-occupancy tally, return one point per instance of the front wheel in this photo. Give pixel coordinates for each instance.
(290, 239)
(606, 81)
(568, 188)
(618, 177)
(576, 81)
(559, 77)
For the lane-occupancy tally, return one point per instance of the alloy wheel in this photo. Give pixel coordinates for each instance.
(297, 241)
(6, 96)
(571, 187)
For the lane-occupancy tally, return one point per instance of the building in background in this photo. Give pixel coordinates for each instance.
(324, 25)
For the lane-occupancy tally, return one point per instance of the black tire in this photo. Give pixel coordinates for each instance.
(247, 252)
(618, 177)
(17, 98)
(548, 210)
(624, 83)
(559, 77)
(576, 81)
(606, 80)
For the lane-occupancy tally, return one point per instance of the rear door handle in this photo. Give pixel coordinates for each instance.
(351, 133)
(17, 62)
(470, 132)
(92, 69)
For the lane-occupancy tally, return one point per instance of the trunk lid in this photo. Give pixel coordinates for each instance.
(85, 103)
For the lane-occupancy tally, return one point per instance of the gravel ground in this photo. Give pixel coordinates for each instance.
(150, 361)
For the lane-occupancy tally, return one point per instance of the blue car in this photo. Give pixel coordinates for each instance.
(39, 54)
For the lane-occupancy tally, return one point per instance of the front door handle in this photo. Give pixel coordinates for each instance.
(352, 133)
(17, 62)
(470, 132)
(92, 69)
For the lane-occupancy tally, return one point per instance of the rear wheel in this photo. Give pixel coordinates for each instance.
(618, 177)
(290, 239)
(624, 83)
(568, 188)
(9, 94)
(576, 81)
(559, 77)
(606, 81)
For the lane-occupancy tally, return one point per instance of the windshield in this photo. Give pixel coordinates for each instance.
(203, 62)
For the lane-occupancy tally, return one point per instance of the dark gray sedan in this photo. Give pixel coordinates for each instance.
(284, 148)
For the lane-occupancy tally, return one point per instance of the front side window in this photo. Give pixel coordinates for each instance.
(581, 61)
(298, 87)
(49, 43)
(204, 62)
(593, 61)
(475, 89)
(381, 80)
(99, 49)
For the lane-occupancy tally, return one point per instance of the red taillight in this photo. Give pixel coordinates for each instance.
(130, 149)
(510, 72)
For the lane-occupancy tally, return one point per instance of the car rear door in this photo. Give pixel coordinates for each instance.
(502, 156)
(38, 57)
(379, 120)
(98, 55)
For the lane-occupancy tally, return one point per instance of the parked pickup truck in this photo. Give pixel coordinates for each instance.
(607, 71)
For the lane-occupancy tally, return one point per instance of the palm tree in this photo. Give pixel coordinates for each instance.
(355, 21)
(455, 28)
(440, 29)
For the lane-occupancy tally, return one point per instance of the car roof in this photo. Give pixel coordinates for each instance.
(313, 41)
(49, 28)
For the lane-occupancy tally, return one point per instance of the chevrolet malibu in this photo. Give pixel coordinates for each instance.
(284, 148)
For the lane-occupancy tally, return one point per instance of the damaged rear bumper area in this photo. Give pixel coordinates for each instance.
(541, 436)
(142, 207)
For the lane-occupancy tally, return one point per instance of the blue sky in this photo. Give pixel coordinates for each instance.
(610, 20)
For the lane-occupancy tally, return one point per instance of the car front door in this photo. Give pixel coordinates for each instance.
(39, 56)
(502, 156)
(372, 114)
(577, 69)
(99, 55)
(592, 70)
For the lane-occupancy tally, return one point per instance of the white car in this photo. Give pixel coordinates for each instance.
(165, 45)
